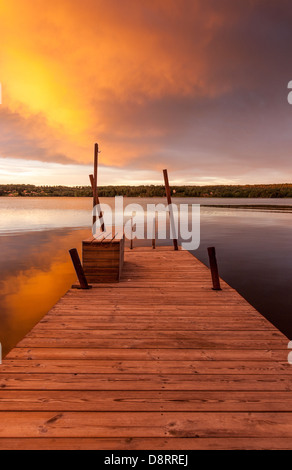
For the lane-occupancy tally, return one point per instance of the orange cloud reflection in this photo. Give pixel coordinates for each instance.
(28, 293)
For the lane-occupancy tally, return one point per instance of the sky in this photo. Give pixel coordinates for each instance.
(196, 86)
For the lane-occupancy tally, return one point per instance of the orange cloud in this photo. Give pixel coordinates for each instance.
(141, 78)
(60, 58)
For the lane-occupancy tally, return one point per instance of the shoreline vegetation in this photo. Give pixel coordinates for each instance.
(220, 191)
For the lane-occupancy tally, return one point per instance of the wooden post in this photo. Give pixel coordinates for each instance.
(154, 232)
(95, 202)
(168, 196)
(93, 179)
(214, 268)
(79, 269)
(95, 165)
(131, 242)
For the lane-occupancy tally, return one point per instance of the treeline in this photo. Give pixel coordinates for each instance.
(244, 191)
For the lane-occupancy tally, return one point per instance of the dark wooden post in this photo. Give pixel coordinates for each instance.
(95, 165)
(214, 268)
(154, 232)
(95, 202)
(93, 179)
(131, 242)
(78, 269)
(168, 196)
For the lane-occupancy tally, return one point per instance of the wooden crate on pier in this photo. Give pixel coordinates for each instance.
(103, 257)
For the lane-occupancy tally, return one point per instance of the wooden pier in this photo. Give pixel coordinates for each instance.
(157, 361)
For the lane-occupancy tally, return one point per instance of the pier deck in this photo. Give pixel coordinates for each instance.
(157, 361)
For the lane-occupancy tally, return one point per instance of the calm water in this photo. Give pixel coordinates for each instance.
(254, 252)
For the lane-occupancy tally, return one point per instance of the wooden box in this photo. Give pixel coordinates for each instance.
(103, 257)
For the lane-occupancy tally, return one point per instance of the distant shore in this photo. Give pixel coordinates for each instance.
(254, 207)
(218, 191)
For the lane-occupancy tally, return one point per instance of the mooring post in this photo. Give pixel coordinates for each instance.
(95, 163)
(131, 241)
(95, 203)
(79, 269)
(168, 196)
(154, 232)
(93, 180)
(214, 268)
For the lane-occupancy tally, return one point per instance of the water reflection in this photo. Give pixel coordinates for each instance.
(255, 257)
(35, 272)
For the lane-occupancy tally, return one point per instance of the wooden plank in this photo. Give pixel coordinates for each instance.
(145, 401)
(168, 424)
(141, 321)
(89, 366)
(124, 444)
(196, 336)
(74, 381)
(143, 311)
(211, 343)
(137, 322)
(134, 323)
(150, 354)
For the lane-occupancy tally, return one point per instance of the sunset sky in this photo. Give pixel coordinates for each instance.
(195, 86)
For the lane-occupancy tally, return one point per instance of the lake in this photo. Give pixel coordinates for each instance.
(253, 244)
